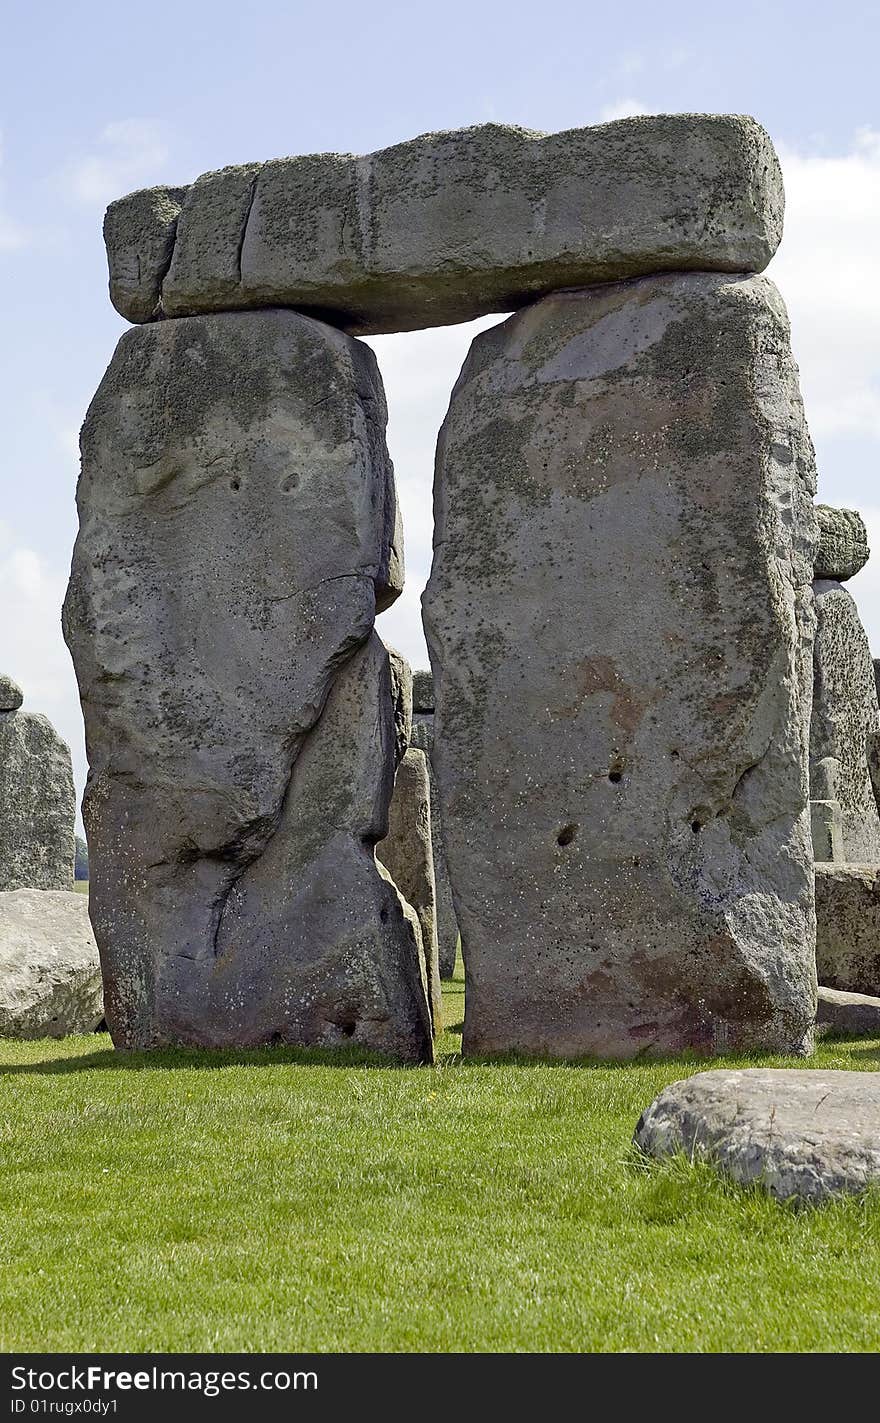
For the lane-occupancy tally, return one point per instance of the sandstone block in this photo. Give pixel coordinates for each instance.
(848, 1014)
(407, 855)
(848, 927)
(451, 225)
(844, 719)
(806, 1134)
(620, 614)
(843, 543)
(37, 803)
(50, 976)
(237, 531)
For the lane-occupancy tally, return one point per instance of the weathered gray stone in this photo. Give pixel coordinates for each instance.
(50, 976)
(849, 1014)
(237, 518)
(621, 617)
(11, 696)
(407, 855)
(447, 928)
(843, 543)
(807, 1134)
(876, 662)
(37, 803)
(423, 692)
(845, 715)
(139, 236)
(401, 683)
(825, 831)
(452, 225)
(848, 927)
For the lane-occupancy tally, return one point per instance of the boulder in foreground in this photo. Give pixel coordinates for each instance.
(805, 1134)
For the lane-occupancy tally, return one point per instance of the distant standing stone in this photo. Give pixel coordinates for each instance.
(407, 855)
(848, 927)
(37, 801)
(423, 738)
(620, 618)
(849, 1014)
(50, 976)
(11, 695)
(808, 1134)
(844, 719)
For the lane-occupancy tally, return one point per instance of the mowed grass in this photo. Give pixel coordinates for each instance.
(272, 1201)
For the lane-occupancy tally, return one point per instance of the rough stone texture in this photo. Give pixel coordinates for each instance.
(37, 804)
(401, 684)
(237, 518)
(848, 927)
(849, 1014)
(825, 831)
(447, 928)
(872, 752)
(50, 976)
(844, 716)
(620, 617)
(807, 1134)
(423, 692)
(452, 225)
(11, 695)
(876, 661)
(139, 235)
(843, 543)
(407, 855)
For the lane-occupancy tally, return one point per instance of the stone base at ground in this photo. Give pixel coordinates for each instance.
(807, 1134)
(848, 927)
(50, 976)
(619, 617)
(848, 1014)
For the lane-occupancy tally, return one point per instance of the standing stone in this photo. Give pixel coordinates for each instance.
(237, 533)
(423, 739)
(848, 927)
(50, 976)
(844, 721)
(37, 799)
(620, 616)
(407, 855)
(449, 226)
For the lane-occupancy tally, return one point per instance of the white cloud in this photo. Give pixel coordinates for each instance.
(826, 270)
(131, 153)
(621, 109)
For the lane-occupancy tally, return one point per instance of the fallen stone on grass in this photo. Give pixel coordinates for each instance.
(849, 1014)
(50, 975)
(798, 1134)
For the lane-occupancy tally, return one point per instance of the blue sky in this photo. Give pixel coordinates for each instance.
(100, 98)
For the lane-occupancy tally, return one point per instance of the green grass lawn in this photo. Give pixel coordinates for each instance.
(270, 1201)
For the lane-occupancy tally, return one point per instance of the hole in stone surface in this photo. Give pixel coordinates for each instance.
(696, 826)
(348, 1028)
(566, 834)
(615, 776)
(675, 755)
(383, 914)
(235, 485)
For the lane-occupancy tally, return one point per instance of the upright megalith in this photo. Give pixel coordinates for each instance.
(37, 798)
(449, 226)
(621, 616)
(238, 530)
(845, 716)
(423, 740)
(407, 855)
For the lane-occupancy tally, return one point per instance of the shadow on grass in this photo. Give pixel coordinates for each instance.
(164, 1059)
